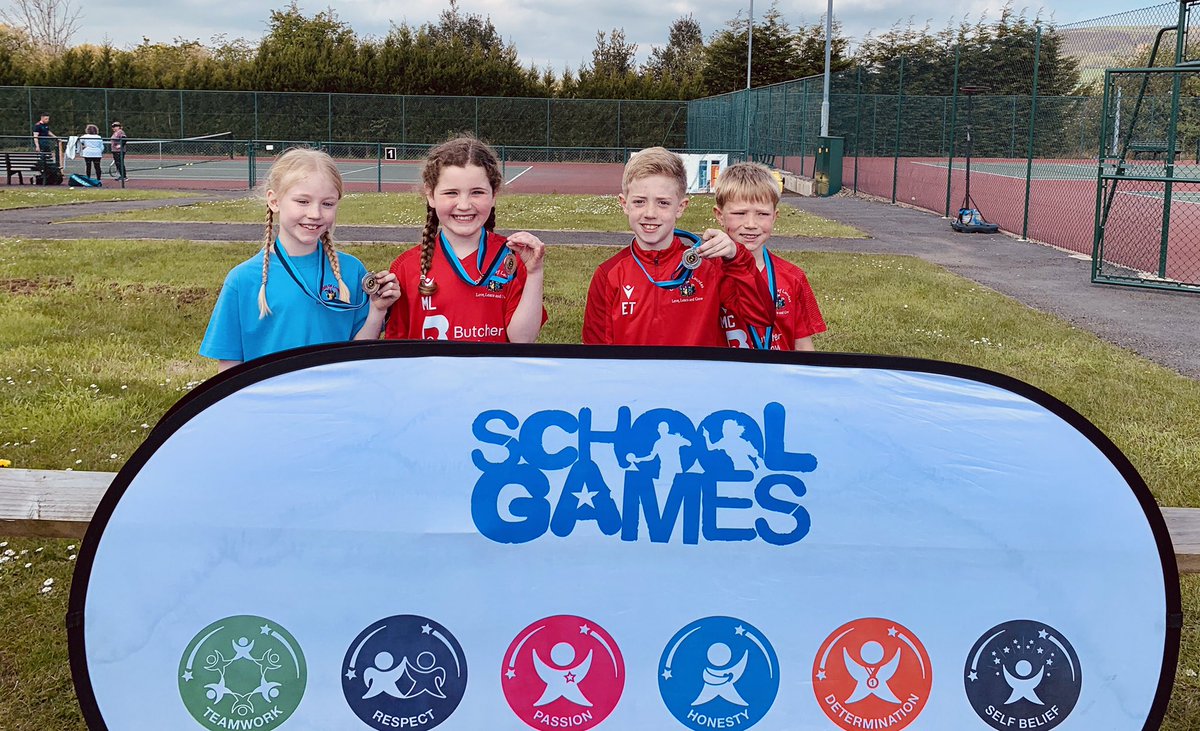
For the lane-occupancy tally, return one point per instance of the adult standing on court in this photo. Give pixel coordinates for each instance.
(91, 148)
(42, 137)
(117, 145)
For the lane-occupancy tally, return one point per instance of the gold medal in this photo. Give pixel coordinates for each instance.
(691, 258)
(370, 284)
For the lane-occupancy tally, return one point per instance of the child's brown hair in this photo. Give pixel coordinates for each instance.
(457, 152)
(655, 161)
(747, 181)
(289, 167)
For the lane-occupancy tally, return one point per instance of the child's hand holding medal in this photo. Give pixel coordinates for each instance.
(716, 244)
(531, 250)
(383, 289)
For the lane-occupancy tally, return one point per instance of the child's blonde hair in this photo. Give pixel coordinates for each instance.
(655, 161)
(747, 181)
(293, 164)
(457, 152)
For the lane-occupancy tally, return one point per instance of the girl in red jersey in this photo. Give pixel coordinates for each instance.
(464, 282)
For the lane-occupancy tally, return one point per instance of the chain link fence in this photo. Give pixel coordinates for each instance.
(167, 114)
(1034, 112)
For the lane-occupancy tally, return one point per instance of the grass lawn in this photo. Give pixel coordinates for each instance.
(533, 212)
(34, 197)
(100, 339)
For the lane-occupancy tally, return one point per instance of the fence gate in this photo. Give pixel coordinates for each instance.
(1147, 228)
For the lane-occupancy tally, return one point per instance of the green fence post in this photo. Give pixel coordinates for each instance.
(618, 123)
(804, 127)
(1012, 143)
(106, 119)
(29, 104)
(256, 133)
(747, 121)
(329, 118)
(857, 126)
(403, 120)
(896, 149)
(953, 129)
(250, 171)
(1037, 54)
(181, 114)
(547, 121)
(378, 167)
(476, 116)
(1097, 231)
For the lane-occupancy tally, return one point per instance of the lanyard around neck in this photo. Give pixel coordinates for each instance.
(765, 342)
(681, 275)
(487, 274)
(286, 262)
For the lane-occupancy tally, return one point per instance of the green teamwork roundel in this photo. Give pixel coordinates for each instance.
(242, 672)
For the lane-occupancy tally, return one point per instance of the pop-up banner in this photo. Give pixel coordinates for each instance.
(417, 536)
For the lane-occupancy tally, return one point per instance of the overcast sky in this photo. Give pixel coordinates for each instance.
(554, 32)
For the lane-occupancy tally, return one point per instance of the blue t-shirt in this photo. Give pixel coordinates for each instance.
(236, 332)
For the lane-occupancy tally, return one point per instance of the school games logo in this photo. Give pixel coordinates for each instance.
(718, 672)
(660, 476)
(406, 672)
(1023, 674)
(329, 292)
(872, 673)
(563, 672)
(242, 672)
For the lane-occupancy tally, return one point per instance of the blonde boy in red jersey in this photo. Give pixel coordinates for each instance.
(747, 206)
(667, 289)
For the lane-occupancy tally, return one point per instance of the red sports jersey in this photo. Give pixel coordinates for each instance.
(796, 313)
(458, 310)
(625, 308)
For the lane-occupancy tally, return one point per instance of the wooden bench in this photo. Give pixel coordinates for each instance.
(1154, 148)
(19, 163)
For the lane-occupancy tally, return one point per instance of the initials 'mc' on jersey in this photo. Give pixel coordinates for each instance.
(796, 312)
(625, 308)
(458, 310)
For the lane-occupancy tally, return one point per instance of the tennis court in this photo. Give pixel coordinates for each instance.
(1061, 169)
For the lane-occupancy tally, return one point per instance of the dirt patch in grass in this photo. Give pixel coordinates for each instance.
(34, 286)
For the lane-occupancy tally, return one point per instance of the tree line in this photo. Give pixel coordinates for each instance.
(463, 53)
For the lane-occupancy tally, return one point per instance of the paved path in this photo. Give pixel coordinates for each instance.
(1162, 326)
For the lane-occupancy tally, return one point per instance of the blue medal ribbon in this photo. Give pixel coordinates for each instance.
(765, 342)
(338, 305)
(681, 274)
(487, 274)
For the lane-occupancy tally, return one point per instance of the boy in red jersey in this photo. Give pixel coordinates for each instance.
(747, 206)
(667, 288)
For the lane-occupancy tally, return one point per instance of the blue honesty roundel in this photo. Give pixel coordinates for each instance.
(719, 672)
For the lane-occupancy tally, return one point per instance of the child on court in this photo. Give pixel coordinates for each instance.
(299, 290)
(747, 206)
(465, 282)
(668, 287)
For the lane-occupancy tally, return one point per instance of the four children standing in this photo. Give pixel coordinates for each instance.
(464, 282)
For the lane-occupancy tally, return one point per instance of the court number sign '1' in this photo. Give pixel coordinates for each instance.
(399, 536)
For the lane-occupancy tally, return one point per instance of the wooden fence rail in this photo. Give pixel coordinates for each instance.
(57, 504)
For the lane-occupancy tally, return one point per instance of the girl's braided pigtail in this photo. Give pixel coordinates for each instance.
(427, 286)
(268, 247)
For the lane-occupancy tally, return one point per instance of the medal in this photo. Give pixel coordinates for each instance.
(370, 284)
(683, 272)
(499, 271)
(326, 295)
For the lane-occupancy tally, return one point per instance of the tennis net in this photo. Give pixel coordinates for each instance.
(160, 154)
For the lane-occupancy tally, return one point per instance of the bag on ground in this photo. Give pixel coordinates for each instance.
(82, 181)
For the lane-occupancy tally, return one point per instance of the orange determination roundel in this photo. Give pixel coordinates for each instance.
(872, 673)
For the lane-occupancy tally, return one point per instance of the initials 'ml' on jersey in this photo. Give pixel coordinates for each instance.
(796, 312)
(458, 310)
(625, 308)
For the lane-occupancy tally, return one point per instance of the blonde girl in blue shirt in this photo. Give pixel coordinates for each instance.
(299, 290)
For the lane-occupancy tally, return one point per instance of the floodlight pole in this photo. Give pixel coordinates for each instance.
(825, 94)
(749, 58)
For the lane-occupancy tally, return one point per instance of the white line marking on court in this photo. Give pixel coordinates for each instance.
(984, 171)
(359, 170)
(527, 169)
(1175, 197)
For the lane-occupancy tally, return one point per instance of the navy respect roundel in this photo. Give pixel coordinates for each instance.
(404, 671)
